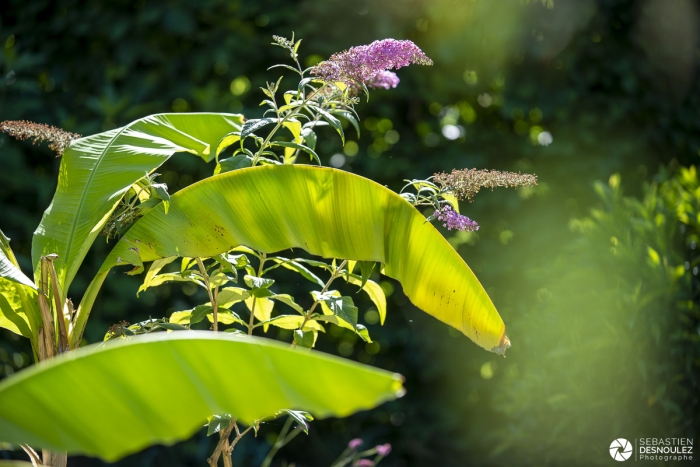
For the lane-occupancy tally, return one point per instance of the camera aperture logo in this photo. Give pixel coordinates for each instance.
(621, 449)
(650, 449)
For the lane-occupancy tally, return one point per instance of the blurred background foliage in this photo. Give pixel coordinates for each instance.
(599, 290)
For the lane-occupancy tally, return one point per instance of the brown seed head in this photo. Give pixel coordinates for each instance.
(38, 133)
(466, 183)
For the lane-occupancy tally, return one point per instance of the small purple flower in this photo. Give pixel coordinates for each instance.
(364, 463)
(453, 220)
(384, 79)
(355, 443)
(361, 65)
(383, 449)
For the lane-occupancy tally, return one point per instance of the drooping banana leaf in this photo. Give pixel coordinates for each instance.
(115, 399)
(98, 170)
(327, 212)
(18, 306)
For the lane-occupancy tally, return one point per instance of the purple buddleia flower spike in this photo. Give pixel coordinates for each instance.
(453, 220)
(385, 80)
(361, 65)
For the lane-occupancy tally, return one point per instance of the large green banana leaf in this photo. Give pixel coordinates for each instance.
(97, 171)
(326, 212)
(115, 399)
(19, 310)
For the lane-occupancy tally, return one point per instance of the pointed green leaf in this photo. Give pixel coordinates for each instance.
(326, 212)
(300, 417)
(366, 268)
(260, 377)
(254, 124)
(301, 147)
(228, 296)
(306, 339)
(293, 322)
(153, 271)
(218, 423)
(295, 266)
(262, 310)
(289, 301)
(373, 291)
(257, 282)
(240, 161)
(98, 170)
(342, 307)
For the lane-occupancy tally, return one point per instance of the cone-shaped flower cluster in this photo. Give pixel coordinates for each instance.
(366, 64)
(38, 133)
(466, 183)
(453, 220)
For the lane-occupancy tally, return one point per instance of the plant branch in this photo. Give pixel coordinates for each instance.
(263, 258)
(307, 316)
(279, 443)
(223, 440)
(212, 297)
(280, 123)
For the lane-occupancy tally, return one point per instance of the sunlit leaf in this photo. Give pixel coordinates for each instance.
(327, 212)
(98, 170)
(215, 373)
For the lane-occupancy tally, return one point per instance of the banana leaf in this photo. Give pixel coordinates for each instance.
(327, 212)
(115, 399)
(96, 172)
